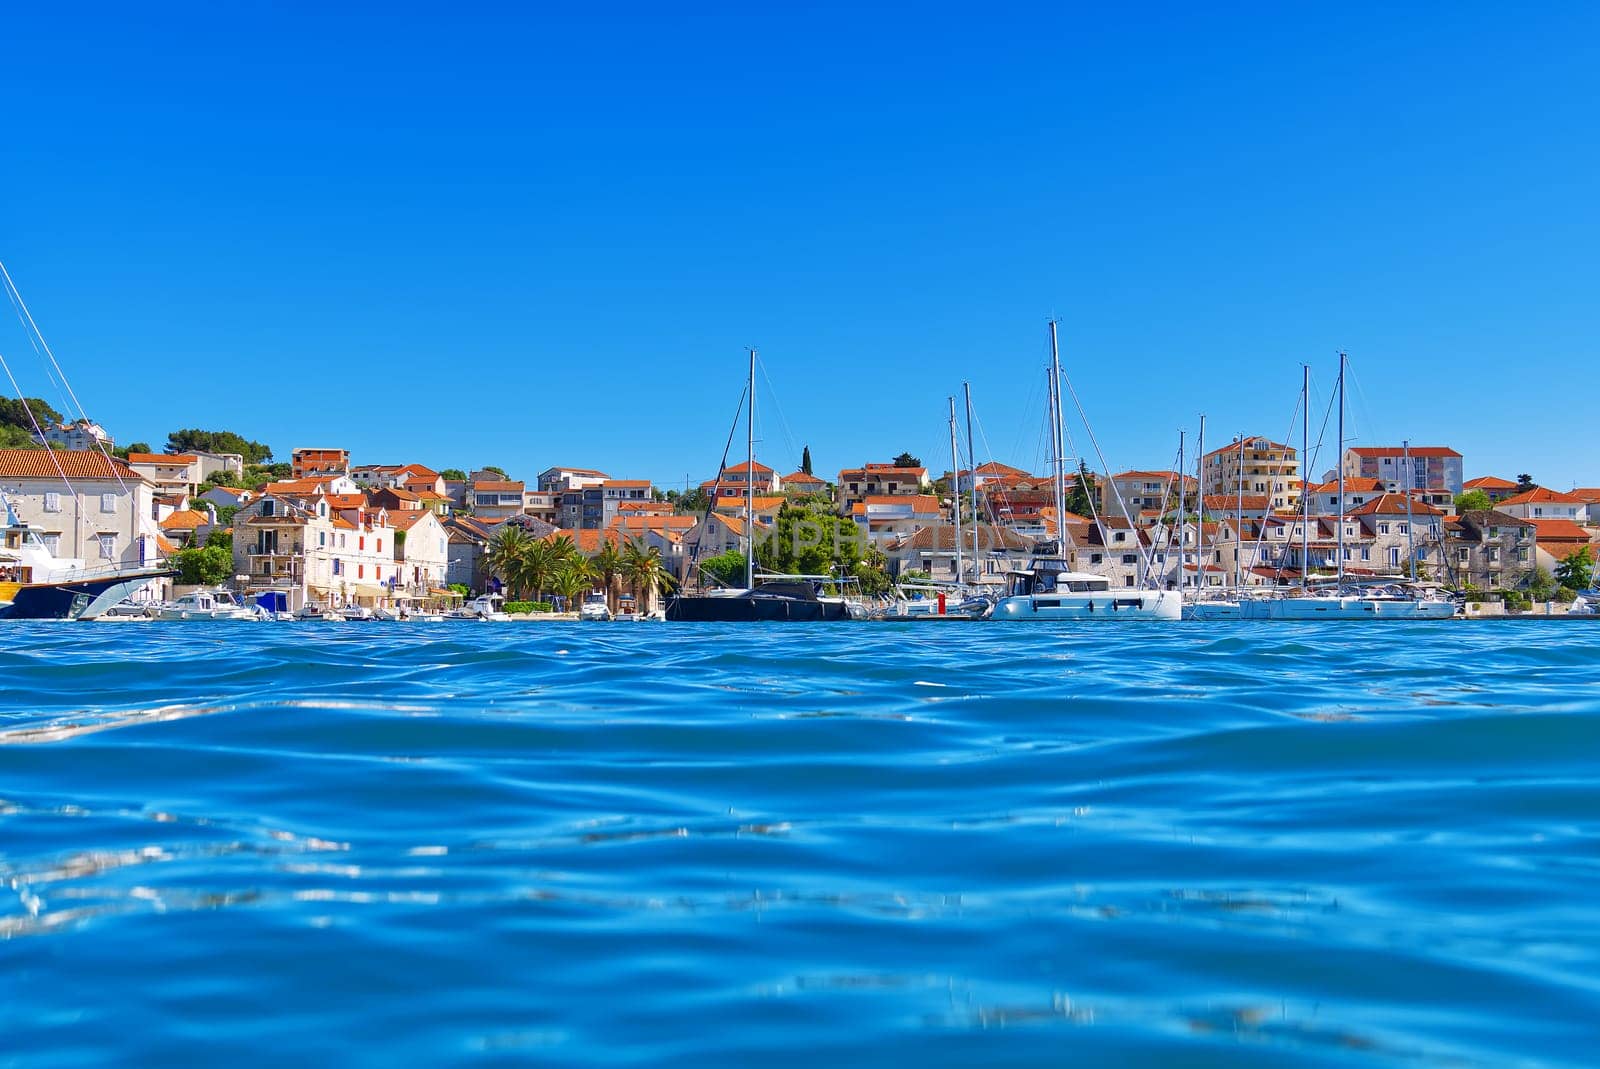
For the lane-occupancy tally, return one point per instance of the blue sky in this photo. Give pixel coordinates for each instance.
(544, 234)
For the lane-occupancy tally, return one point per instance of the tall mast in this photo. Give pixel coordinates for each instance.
(1339, 454)
(1411, 548)
(750, 482)
(1057, 445)
(1238, 530)
(1305, 472)
(1200, 505)
(955, 468)
(972, 482)
(1177, 523)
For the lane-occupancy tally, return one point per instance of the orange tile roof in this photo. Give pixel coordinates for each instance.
(1358, 485)
(498, 487)
(405, 519)
(1590, 495)
(1560, 531)
(760, 502)
(1540, 496)
(187, 520)
(1400, 450)
(161, 458)
(628, 483)
(77, 464)
(758, 467)
(919, 503)
(1249, 446)
(801, 477)
(1488, 482)
(1393, 505)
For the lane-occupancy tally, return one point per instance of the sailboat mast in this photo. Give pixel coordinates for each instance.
(972, 481)
(1339, 456)
(955, 468)
(1305, 472)
(1200, 505)
(1238, 530)
(1057, 444)
(750, 482)
(1411, 548)
(1178, 521)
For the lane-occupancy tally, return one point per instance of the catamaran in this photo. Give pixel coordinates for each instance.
(1047, 589)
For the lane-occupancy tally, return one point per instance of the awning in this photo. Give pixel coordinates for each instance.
(367, 590)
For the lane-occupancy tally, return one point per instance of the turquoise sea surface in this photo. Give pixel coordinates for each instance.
(833, 845)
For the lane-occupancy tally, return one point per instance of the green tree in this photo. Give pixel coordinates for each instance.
(455, 475)
(507, 558)
(1576, 570)
(206, 566)
(571, 579)
(221, 536)
(1525, 483)
(693, 502)
(1081, 497)
(805, 459)
(904, 460)
(608, 567)
(14, 412)
(645, 573)
(497, 470)
(1473, 501)
(16, 438)
(726, 569)
(193, 438)
(872, 572)
(809, 539)
(1540, 584)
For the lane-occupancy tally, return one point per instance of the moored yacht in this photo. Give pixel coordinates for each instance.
(35, 584)
(205, 605)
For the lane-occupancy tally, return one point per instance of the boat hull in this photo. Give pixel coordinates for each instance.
(1349, 608)
(1101, 606)
(697, 609)
(84, 599)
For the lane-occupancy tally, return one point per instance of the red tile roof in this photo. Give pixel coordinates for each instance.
(161, 458)
(1488, 482)
(77, 464)
(1560, 531)
(498, 487)
(1393, 505)
(920, 503)
(1400, 450)
(1540, 496)
(801, 477)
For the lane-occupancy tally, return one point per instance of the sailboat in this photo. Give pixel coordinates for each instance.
(1395, 602)
(1047, 590)
(792, 598)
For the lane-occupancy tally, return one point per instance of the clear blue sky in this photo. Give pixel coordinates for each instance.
(534, 234)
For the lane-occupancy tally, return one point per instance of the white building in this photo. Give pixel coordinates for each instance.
(78, 436)
(82, 504)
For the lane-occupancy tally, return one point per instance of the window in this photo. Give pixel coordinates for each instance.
(361, 542)
(1463, 555)
(1383, 528)
(338, 566)
(1366, 552)
(361, 571)
(1400, 528)
(108, 502)
(1095, 558)
(1522, 555)
(322, 538)
(380, 545)
(1394, 556)
(52, 501)
(1129, 558)
(266, 507)
(1127, 580)
(377, 571)
(108, 546)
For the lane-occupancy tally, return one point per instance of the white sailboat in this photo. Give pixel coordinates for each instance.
(1047, 590)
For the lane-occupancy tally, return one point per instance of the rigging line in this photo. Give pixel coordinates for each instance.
(20, 304)
(783, 420)
(716, 489)
(55, 384)
(1261, 535)
(1166, 543)
(55, 460)
(1144, 562)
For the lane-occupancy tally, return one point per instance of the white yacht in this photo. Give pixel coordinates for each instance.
(1047, 589)
(205, 605)
(482, 607)
(594, 608)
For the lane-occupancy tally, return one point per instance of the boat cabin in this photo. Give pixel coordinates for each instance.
(1051, 577)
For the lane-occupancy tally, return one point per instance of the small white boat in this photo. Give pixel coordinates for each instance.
(594, 608)
(356, 612)
(482, 607)
(205, 605)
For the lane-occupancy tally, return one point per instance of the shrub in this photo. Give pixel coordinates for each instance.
(1516, 600)
(528, 606)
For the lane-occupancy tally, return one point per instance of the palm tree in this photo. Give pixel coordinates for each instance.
(642, 566)
(607, 567)
(538, 562)
(571, 579)
(507, 555)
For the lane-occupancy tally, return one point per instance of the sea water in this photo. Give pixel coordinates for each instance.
(929, 845)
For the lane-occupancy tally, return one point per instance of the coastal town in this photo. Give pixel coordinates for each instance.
(325, 529)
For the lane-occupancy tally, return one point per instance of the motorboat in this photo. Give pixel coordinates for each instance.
(356, 612)
(594, 608)
(792, 599)
(482, 607)
(205, 605)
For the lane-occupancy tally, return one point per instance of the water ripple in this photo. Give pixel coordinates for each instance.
(1202, 845)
